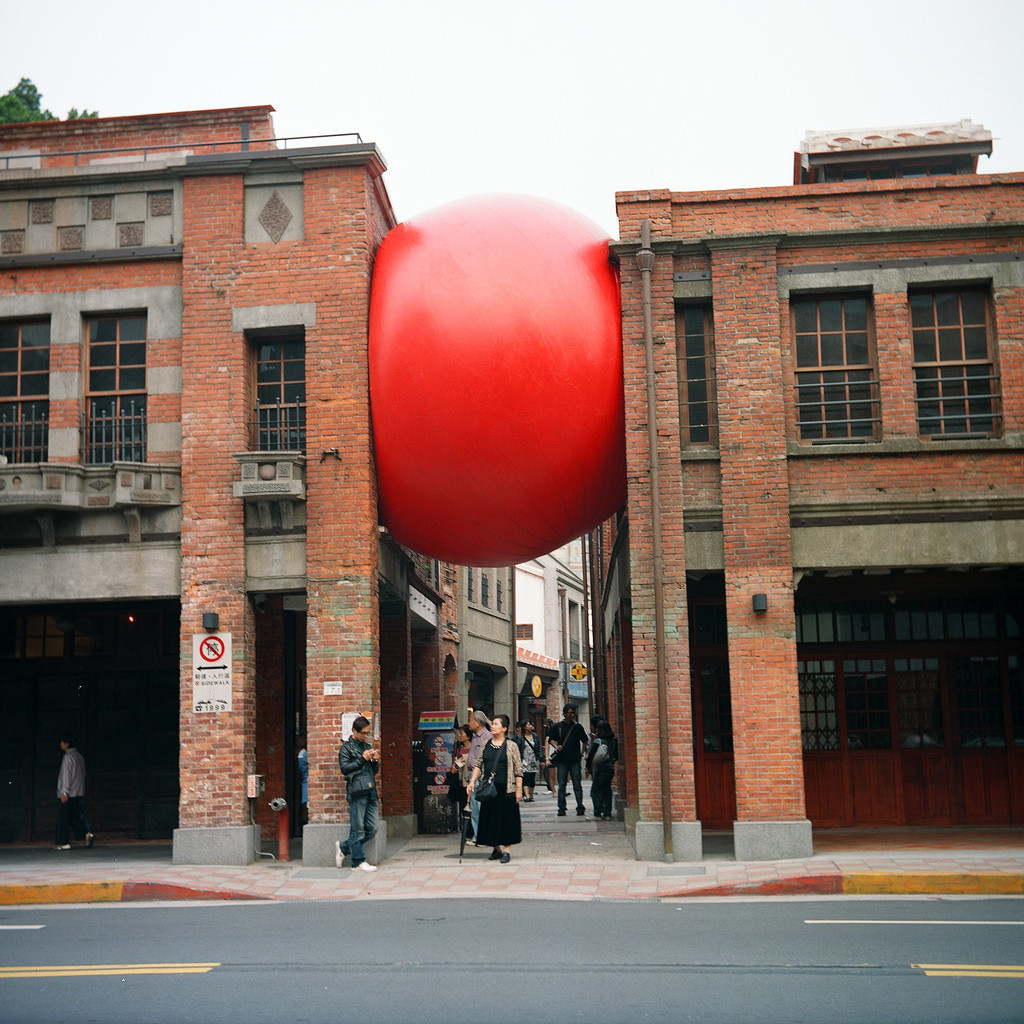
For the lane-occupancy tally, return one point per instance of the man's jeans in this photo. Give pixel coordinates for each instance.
(362, 824)
(564, 771)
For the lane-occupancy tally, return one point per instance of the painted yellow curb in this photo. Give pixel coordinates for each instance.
(65, 892)
(968, 883)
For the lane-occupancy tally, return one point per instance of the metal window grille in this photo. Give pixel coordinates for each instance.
(24, 431)
(819, 716)
(697, 389)
(279, 428)
(837, 394)
(114, 433)
(957, 388)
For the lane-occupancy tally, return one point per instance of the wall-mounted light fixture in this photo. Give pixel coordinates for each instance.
(760, 603)
(211, 622)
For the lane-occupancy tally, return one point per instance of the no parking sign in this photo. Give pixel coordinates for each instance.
(211, 672)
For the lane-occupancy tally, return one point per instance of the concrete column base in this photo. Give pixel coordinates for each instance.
(403, 826)
(319, 843)
(772, 840)
(686, 841)
(223, 844)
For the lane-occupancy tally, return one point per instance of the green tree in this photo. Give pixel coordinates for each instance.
(24, 103)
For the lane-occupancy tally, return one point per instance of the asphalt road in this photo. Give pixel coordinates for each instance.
(492, 961)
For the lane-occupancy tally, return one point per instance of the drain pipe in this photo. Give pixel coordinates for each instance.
(645, 261)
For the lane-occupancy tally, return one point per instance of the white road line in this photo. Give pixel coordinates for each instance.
(1012, 924)
(20, 927)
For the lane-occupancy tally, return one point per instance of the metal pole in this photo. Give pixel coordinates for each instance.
(645, 261)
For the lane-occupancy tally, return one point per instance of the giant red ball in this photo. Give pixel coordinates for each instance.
(496, 380)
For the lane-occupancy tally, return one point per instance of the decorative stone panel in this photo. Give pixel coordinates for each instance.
(130, 236)
(101, 208)
(41, 211)
(71, 239)
(161, 204)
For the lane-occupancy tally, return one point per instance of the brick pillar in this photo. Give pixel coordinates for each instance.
(771, 819)
(218, 748)
(396, 693)
(645, 733)
(343, 670)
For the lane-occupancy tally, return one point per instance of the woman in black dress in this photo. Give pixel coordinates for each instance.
(500, 826)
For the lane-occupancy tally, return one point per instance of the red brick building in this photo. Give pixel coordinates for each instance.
(191, 570)
(813, 606)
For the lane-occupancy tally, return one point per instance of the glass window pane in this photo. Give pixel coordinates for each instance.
(807, 350)
(831, 313)
(973, 307)
(924, 346)
(35, 359)
(35, 384)
(36, 335)
(950, 345)
(103, 330)
(921, 311)
(103, 355)
(805, 317)
(832, 350)
(102, 380)
(133, 355)
(947, 308)
(856, 314)
(133, 328)
(975, 343)
(133, 379)
(857, 348)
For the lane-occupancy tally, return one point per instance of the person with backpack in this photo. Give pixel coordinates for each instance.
(601, 758)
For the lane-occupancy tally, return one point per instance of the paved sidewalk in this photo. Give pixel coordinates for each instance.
(567, 858)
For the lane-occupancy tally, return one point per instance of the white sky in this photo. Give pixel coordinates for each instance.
(567, 99)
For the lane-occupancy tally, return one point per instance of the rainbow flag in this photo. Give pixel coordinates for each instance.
(437, 720)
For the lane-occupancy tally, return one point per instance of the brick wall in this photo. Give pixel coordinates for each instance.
(747, 243)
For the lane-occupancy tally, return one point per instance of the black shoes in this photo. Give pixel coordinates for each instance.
(506, 857)
(561, 814)
(496, 854)
(580, 814)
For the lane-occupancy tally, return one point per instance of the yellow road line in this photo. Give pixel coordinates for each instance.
(972, 883)
(95, 970)
(972, 970)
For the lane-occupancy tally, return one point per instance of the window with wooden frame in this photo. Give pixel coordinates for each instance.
(280, 393)
(114, 424)
(695, 347)
(836, 381)
(24, 390)
(524, 631)
(957, 387)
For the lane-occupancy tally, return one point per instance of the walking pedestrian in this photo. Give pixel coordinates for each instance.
(601, 757)
(529, 750)
(479, 725)
(359, 763)
(71, 815)
(500, 824)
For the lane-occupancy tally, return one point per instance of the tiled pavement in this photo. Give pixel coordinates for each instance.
(559, 858)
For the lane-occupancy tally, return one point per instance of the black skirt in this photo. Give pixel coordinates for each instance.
(500, 824)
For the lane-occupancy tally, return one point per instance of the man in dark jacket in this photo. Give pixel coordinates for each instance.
(569, 738)
(359, 763)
